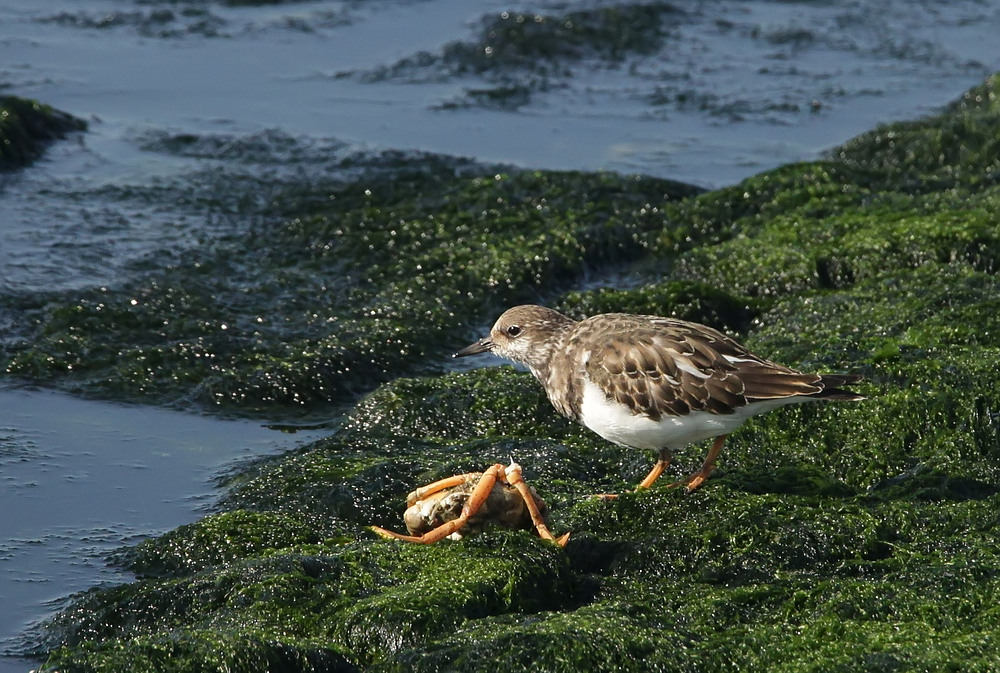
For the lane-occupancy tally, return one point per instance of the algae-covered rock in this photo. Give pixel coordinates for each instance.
(683, 299)
(26, 126)
(519, 54)
(345, 287)
(959, 146)
(336, 608)
(833, 537)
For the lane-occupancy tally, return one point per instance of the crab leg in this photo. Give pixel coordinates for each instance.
(472, 505)
(439, 485)
(513, 477)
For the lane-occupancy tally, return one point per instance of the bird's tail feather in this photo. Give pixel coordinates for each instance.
(831, 387)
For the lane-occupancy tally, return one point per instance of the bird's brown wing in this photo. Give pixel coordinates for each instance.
(659, 366)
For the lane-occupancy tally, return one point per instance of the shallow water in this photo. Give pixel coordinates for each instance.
(80, 478)
(734, 88)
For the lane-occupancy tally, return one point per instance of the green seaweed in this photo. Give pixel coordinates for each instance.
(336, 605)
(221, 539)
(368, 281)
(683, 299)
(958, 147)
(832, 537)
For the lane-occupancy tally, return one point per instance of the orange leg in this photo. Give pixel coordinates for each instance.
(475, 501)
(439, 485)
(698, 478)
(513, 475)
(662, 463)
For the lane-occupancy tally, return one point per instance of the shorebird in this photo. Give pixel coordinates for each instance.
(649, 382)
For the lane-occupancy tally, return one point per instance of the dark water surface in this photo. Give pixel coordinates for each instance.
(716, 92)
(80, 478)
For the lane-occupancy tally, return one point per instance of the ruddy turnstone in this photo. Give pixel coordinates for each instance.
(648, 382)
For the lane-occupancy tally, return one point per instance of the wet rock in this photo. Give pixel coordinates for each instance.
(27, 126)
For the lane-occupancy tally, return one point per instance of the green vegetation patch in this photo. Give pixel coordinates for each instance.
(340, 288)
(341, 603)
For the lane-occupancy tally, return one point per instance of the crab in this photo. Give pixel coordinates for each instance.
(470, 501)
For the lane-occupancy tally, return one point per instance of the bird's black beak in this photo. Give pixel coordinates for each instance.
(483, 345)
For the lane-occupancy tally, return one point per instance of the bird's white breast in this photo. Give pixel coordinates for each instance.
(615, 422)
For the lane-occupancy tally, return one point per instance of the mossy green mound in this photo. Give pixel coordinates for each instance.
(834, 537)
(786, 559)
(368, 281)
(27, 126)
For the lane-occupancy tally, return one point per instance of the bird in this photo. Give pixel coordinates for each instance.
(651, 382)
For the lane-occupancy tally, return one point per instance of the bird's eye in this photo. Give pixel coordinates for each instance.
(513, 330)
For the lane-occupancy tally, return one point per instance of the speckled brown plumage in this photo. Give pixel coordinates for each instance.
(685, 379)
